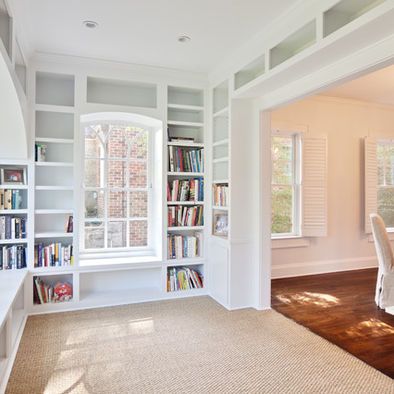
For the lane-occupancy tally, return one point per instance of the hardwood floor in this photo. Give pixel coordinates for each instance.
(340, 307)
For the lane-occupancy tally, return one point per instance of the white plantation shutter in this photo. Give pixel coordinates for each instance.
(314, 186)
(370, 181)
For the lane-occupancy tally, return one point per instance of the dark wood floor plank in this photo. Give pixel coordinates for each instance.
(340, 307)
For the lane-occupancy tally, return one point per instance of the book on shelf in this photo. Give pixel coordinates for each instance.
(53, 255)
(70, 224)
(10, 199)
(184, 246)
(185, 190)
(13, 257)
(40, 152)
(181, 216)
(44, 292)
(12, 227)
(185, 160)
(183, 278)
(220, 195)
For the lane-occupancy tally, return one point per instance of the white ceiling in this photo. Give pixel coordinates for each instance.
(146, 31)
(376, 87)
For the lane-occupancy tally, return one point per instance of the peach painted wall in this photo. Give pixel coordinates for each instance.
(345, 122)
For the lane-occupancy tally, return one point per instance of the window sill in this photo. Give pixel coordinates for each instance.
(289, 242)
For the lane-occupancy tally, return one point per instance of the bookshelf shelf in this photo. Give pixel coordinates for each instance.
(219, 208)
(13, 241)
(221, 113)
(185, 124)
(54, 235)
(224, 141)
(52, 211)
(54, 108)
(14, 187)
(13, 211)
(56, 188)
(192, 108)
(185, 261)
(57, 269)
(55, 140)
(185, 228)
(53, 164)
(186, 144)
(186, 174)
(220, 160)
(218, 181)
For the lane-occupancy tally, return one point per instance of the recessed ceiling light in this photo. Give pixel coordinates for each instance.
(184, 38)
(90, 24)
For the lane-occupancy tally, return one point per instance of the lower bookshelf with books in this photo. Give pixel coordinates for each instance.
(52, 289)
(181, 278)
(183, 246)
(53, 254)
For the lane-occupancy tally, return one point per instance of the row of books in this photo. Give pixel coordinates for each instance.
(46, 292)
(40, 152)
(185, 190)
(13, 257)
(220, 195)
(10, 199)
(185, 160)
(184, 278)
(12, 227)
(181, 216)
(184, 246)
(53, 255)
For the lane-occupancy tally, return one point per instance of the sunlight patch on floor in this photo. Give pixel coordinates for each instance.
(65, 381)
(306, 297)
(372, 327)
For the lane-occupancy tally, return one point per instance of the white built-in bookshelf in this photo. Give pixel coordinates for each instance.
(185, 190)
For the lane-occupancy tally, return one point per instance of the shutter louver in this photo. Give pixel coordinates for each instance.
(314, 186)
(370, 181)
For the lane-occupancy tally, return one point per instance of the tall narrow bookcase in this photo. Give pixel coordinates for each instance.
(185, 197)
(53, 154)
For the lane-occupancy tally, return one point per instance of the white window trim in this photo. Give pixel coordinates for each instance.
(121, 254)
(297, 169)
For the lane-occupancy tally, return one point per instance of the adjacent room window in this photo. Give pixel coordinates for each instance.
(116, 190)
(385, 188)
(286, 164)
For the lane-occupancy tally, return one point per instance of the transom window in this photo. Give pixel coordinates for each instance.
(385, 188)
(285, 219)
(116, 188)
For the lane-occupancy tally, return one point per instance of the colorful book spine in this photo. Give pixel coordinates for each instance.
(185, 159)
(220, 195)
(180, 246)
(53, 255)
(12, 227)
(184, 278)
(181, 216)
(10, 199)
(13, 257)
(186, 190)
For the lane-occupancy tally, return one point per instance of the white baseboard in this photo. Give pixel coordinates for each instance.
(322, 267)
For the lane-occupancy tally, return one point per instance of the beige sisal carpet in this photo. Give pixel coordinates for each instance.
(183, 346)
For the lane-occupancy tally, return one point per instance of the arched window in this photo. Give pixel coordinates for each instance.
(116, 182)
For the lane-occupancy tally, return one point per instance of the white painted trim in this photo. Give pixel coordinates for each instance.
(322, 267)
(290, 242)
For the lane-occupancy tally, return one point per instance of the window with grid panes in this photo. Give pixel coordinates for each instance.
(116, 187)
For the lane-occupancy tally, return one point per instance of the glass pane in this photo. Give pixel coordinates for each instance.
(116, 173)
(138, 204)
(117, 234)
(94, 204)
(117, 142)
(94, 173)
(117, 204)
(138, 233)
(138, 139)
(282, 209)
(385, 156)
(386, 205)
(94, 235)
(93, 144)
(138, 174)
(282, 160)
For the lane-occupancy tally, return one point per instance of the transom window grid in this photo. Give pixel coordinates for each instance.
(119, 179)
(286, 184)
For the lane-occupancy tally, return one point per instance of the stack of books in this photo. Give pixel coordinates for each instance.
(10, 199)
(184, 246)
(185, 190)
(220, 195)
(13, 257)
(180, 216)
(12, 227)
(183, 278)
(185, 160)
(53, 255)
(45, 292)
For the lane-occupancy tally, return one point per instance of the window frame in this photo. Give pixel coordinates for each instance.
(296, 183)
(382, 141)
(116, 252)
